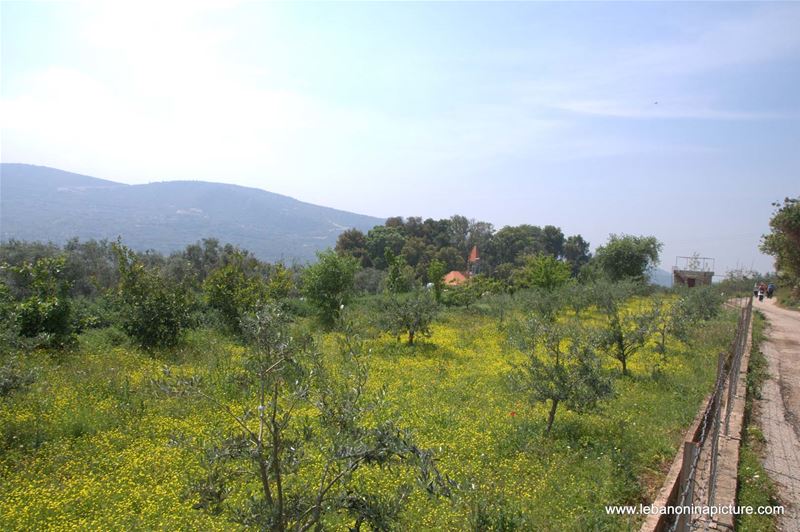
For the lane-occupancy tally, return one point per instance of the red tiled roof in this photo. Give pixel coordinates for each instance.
(455, 278)
(473, 255)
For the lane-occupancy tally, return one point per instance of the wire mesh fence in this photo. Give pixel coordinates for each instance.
(705, 440)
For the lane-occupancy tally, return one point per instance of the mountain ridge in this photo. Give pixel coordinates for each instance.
(165, 215)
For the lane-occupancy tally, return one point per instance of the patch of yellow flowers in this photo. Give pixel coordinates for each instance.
(102, 462)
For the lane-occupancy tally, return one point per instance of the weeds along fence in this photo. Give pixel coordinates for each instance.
(699, 465)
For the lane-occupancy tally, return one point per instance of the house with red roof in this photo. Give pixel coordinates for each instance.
(456, 278)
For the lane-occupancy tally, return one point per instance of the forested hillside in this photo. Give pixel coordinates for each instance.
(46, 204)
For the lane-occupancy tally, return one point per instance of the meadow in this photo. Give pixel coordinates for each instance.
(96, 441)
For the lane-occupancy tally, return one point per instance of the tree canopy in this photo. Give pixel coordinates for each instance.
(783, 242)
(628, 257)
(450, 240)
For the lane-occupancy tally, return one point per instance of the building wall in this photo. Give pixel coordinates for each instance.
(684, 277)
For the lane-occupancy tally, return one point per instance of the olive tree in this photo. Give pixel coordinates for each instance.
(304, 466)
(411, 315)
(577, 296)
(561, 366)
(625, 330)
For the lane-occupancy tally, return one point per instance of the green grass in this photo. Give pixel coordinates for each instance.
(95, 443)
(788, 299)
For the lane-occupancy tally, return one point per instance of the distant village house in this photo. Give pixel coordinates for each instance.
(456, 278)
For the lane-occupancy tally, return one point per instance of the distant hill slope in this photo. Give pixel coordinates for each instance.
(661, 277)
(40, 203)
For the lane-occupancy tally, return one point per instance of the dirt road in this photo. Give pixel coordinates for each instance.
(779, 408)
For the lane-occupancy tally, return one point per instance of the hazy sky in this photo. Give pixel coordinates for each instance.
(680, 120)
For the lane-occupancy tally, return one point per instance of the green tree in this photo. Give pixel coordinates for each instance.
(90, 268)
(576, 253)
(400, 277)
(354, 243)
(415, 251)
(701, 303)
(561, 367)
(542, 271)
(628, 257)
(480, 234)
(154, 311)
(436, 273)
(47, 309)
(370, 281)
(329, 283)
(577, 296)
(280, 282)
(459, 233)
(463, 295)
(783, 242)
(286, 374)
(411, 315)
(380, 239)
(452, 258)
(626, 331)
(511, 243)
(234, 293)
(553, 241)
(544, 304)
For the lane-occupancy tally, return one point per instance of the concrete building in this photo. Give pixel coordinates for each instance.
(693, 271)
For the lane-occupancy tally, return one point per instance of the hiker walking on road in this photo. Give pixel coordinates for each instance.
(762, 289)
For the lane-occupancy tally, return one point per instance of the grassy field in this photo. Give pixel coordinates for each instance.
(93, 443)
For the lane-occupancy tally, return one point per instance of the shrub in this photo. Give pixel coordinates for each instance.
(369, 280)
(328, 284)
(13, 377)
(46, 311)
(233, 293)
(154, 312)
(700, 303)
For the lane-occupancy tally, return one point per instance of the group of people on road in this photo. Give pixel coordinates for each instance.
(762, 288)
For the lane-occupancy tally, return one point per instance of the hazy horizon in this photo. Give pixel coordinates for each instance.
(676, 120)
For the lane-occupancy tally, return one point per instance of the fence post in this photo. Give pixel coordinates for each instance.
(690, 451)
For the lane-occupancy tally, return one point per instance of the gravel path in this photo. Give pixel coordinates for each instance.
(779, 407)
